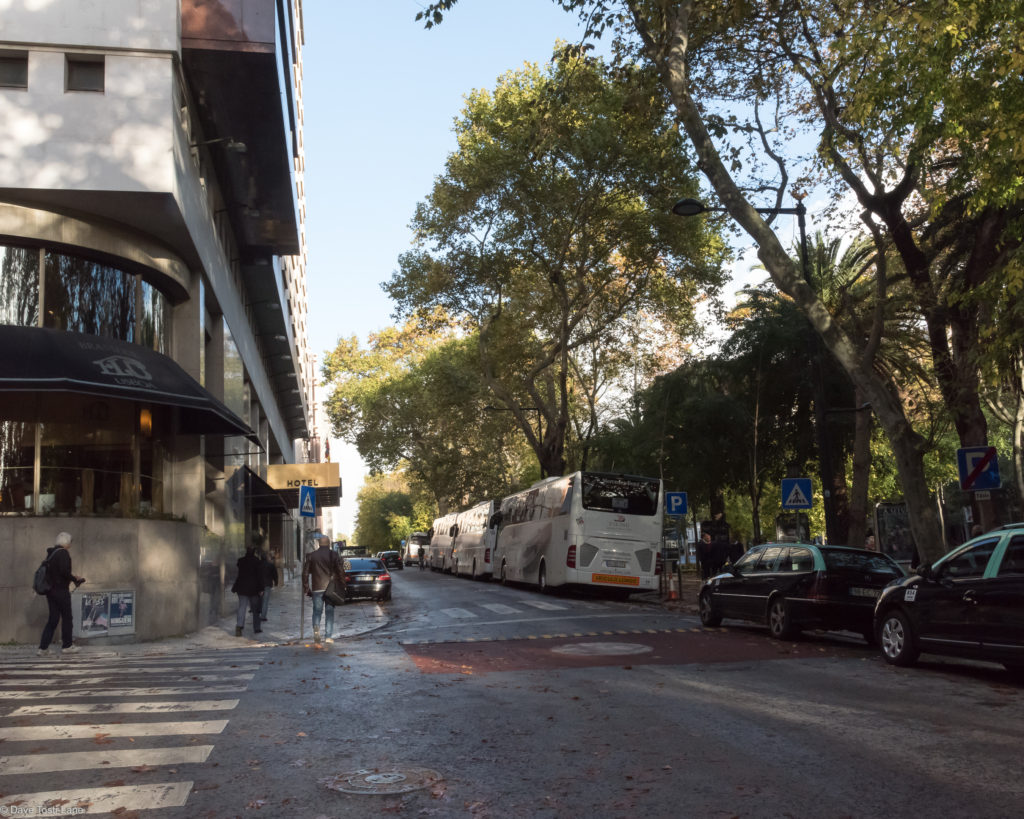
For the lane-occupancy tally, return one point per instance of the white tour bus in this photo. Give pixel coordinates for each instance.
(588, 528)
(412, 548)
(474, 541)
(440, 551)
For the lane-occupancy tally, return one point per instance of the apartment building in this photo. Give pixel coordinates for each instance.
(154, 359)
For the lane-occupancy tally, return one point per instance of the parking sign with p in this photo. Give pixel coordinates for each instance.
(675, 503)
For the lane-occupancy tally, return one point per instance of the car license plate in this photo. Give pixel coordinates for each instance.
(616, 564)
(367, 577)
(856, 591)
(618, 580)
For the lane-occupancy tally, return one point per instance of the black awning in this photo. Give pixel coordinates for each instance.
(36, 360)
(260, 496)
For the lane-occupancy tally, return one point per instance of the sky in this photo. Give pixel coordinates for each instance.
(380, 94)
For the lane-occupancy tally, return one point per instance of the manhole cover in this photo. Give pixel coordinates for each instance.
(399, 780)
(602, 649)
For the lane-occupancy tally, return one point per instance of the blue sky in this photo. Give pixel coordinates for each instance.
(380, 94)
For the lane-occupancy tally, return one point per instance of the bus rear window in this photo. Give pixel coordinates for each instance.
(627, 496)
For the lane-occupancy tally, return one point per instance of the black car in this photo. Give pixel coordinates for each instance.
(791, 586)
(367, 577)
(968, 604)
(393, 560)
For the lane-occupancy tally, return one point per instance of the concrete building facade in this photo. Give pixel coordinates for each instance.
(154, 357)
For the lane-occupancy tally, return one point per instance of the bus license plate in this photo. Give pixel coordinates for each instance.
(859, 592)
(616, 564)
(618, 580)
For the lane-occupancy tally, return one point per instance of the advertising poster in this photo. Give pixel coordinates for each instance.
(122, 609)
(95, 613)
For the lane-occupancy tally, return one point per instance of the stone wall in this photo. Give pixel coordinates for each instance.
(157, 559)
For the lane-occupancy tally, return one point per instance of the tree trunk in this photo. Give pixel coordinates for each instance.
(906, 444)
(858, 509)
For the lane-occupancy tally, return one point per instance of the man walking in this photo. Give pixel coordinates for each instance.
(249, 588)
(318, 569)
(269, 571)
(58, 598)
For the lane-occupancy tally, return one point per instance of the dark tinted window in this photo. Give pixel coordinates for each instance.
(970, 562)
(747, 562)
(766, 563)
(13, 70)
(362, 564)
(614, 493)
(84, 73)
(1013, 560)
(842, 561)
(798, 559)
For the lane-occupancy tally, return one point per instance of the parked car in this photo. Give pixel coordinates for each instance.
(792, 586)
(367, 577)
(393, 560)
(968, 604)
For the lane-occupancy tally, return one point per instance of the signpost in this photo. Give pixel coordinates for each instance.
(676, 503)
(979, 468)
(796, 493)
(307, 502)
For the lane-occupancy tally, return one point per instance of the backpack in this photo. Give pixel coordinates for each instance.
(41, 580)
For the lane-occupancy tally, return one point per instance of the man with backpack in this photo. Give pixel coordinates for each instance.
(58, 598)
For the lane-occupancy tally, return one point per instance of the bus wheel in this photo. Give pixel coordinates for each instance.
(504, 576)
(542, 579)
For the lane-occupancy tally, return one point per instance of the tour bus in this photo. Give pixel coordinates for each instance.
(440, 551)
(589, 528)
(412, 547)
(474, 541)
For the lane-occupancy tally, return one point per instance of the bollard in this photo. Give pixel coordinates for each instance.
(673, 587)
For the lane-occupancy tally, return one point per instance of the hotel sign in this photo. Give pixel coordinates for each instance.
(325, 479)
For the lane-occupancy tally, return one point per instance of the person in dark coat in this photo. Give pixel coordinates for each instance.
(58, 598)
(270, 580)
(320, 567)
(704, 555)
(249, 588)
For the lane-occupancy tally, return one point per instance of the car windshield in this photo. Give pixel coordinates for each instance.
(841, 561)
(363, 564)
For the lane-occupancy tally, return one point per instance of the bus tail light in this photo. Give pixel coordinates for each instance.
(570, 557)
(487, 555)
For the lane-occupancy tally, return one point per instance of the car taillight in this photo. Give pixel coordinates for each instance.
(384, 577)
(570, 557)
(819, 587)
(658, 564)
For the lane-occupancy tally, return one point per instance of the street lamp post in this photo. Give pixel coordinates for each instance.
(693, 207)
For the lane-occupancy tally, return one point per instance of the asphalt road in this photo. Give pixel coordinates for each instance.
(484, 701)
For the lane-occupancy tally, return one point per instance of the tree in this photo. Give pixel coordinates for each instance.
(546, 231)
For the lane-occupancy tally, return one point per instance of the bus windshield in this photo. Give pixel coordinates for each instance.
(620, 493)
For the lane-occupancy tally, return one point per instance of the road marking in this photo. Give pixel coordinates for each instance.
(459, 614)
(501, 608)
(121, 692)
(125, 707)
(116, 729)
(122, 671)
(102, 760)
(100, 800)
(545, 605)
(120, 679)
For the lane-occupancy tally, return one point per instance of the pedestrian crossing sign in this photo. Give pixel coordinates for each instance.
(307, 502)
(796, 493)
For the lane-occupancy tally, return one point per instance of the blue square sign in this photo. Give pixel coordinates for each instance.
(307, 502)
(796, 493)
(978, 467)
(675, 503)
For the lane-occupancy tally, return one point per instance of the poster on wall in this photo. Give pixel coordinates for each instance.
(95, 613)
(104, 613)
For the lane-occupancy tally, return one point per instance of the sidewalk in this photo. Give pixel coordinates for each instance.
(686, 603)
(289, 615)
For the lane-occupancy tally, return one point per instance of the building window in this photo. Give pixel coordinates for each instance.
(84, 73)
(13, 69)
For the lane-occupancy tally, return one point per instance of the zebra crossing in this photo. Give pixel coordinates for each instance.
(103, 733)
(521, 607)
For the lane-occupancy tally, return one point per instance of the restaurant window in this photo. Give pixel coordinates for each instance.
(84, 296)
(19, 285)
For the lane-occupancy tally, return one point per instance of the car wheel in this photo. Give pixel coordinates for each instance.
(542, 579)
(708, 616)
(780, 622)
(896, 637)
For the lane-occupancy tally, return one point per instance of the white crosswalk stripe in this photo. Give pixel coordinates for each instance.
(458, 614)
(501, 608)
(142, 727)
(544, 605)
